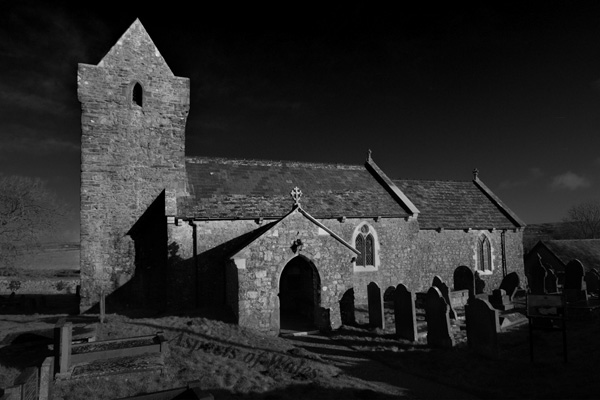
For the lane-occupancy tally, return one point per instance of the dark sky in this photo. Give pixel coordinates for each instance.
(512, 88)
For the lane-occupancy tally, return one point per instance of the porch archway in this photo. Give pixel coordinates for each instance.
(299, 295)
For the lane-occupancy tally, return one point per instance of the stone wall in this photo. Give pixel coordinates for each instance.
(250, 283)
(260, 266)
(182, 272)
(54, 286)
(440, 252)
(514, 257)
(131, 153)
(397, 246)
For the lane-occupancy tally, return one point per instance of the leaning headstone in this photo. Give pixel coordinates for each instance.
(551, 281)
(482, 327)
(592, 281)
(375, 299)
(574, 288)
(46, 378)
(405, 313)
(443, 288)
(510, 284)
(63, 332)
(439, 333)
(464, 279)
(537, 278)
(347, 308)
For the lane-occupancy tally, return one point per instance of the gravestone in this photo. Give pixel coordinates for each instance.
(551, 281)
(510, 284)
(464, 280)
(592, 281)
(500, 300)
(347, 308)
(63, 332)
(375, 299)
(405, 314)
(443, 288)
(388, 295)
(439, 333)
(479, 284)
(537, 278)
(574, 288)
(46, 378)
(482, 327)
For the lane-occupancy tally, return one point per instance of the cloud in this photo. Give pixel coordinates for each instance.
(569, 181)
(534, 173)
(20, 97)
(18, 138)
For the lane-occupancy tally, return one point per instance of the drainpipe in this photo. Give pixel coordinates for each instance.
(194, 254)
(503, 245)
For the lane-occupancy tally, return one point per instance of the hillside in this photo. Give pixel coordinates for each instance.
(547, 231)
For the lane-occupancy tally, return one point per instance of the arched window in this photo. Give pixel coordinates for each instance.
(365, 243)
(484, 263)
(360, 245)
(137, 95)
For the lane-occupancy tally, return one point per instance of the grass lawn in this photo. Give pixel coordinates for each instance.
(511, 375)
(233, 362)
(47, 261)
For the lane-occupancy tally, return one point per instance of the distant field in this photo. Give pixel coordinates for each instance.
(52, 256)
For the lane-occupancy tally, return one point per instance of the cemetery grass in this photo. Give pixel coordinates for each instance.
(228, 360)
(232, 362)
(512, 375)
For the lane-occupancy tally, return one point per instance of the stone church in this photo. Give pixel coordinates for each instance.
(267, 241)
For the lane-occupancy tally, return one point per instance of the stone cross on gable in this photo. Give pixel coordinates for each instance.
(296, 193)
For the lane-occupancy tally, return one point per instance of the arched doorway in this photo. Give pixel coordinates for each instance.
(299, 295)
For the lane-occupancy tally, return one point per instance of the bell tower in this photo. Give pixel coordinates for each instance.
(134, 111)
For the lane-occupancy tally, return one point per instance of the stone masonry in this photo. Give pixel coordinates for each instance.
(130, 154)
(407, 255)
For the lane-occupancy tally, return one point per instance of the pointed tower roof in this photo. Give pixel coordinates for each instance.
(134, 41)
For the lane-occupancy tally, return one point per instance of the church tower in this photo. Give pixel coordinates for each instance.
(134, 112)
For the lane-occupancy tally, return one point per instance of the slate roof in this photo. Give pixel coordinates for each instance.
(223, 188)
(455, 205)
(585, 250)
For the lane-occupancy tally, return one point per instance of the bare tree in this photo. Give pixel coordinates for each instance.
(585, 219)
(28, 212)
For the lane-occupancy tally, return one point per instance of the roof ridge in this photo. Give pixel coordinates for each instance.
(431, 180)
(571, 240)
(269, 162)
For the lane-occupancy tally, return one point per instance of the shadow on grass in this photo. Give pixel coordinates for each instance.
(29, 304)
(307, 391)
(26, 350)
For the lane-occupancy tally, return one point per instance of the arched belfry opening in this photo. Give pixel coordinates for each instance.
(299, 295)
(137, 95)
